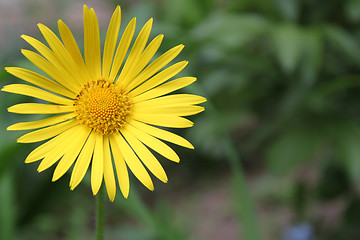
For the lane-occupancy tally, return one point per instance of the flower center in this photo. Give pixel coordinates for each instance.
(102, 106)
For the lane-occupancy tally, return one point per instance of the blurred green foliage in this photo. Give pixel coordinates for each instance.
(282, 78)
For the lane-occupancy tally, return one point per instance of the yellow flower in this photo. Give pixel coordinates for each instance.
(104, 115)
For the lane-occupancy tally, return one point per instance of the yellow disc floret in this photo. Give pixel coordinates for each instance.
(102, 106)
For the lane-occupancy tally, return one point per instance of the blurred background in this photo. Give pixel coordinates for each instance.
(277, 151)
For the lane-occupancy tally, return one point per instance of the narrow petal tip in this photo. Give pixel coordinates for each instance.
(24, 52)
(23, 36)
(72, 184)
(202, 99)
(27, 161)
(22, 140)
(94, 192)
(41, 169)
(111, 198)
(40, 26)
(54, 178)
(95, 189)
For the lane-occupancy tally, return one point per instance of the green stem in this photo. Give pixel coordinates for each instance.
(100, 214)
(244, 203)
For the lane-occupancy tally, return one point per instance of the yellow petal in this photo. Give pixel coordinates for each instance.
(133, 162)
(53, 155)
(46, 52)
(122, 49)
(162, 134)
(155, 66)
(61, 64)
(81, 133)
(160, 78)
(143, 60)
(39, 108)
(62, 55)
(177, 111)
(42, 151)
(83, 162)
(97, 167)
(153, 143)
(145, 156)
(72, 47)
(174, 100)
(41, 48)
(110, 41)
(164, 89)
(121, 169)
(92, 43)
(31, 91)
(40, 81)
(48, 132)
(163, 120)
(109, 171)
(135, 53)
(54, 71)
(41, 123)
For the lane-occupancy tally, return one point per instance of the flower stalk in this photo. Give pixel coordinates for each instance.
(100, 214)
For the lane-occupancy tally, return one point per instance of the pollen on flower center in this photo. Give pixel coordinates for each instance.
(102, 106)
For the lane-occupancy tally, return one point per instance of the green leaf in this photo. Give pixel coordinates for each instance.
(346, 137)
(313, 54)
(186, 12)
(288, 8)
(143, 12)
(209, 129)
(160, 226)
(292, 149)
(244, 203)
(288, 45)
(323, 96)
(345, 42)
(230, 31)
(352, 9)
(7, 153)
(7, 206)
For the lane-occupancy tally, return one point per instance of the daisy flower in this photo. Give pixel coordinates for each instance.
(108, 110)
